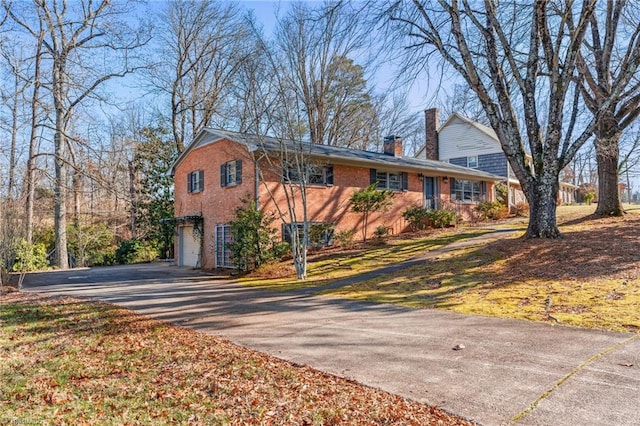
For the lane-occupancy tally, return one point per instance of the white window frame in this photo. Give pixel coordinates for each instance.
(472, 161)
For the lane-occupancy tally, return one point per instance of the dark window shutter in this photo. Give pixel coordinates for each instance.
(238, 171)
(372, 176)
(405, 181)
(201, 180)
(452, 186)
(329, 171)
(286, 232)
(223, 175)
(483, 190)
(189, 182)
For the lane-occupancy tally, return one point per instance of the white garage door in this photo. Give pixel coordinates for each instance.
(189, 248)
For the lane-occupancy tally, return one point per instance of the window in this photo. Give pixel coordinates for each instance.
(195, 181)
(467, 191)
(395, 181)
(231, 173)
(223, 238)
(315, 175)
(472, 162)
(320, 233)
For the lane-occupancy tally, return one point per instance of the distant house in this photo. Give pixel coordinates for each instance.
(467, 143)
(219, 169)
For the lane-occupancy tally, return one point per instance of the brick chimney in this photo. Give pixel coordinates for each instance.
(431, 124)
(393, 146)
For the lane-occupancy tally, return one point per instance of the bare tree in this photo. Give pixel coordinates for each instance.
(75, 36)
(316, 50)
(608, 56)
(204, 44)
(515, 55)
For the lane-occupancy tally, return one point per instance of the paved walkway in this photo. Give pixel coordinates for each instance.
(538, 373)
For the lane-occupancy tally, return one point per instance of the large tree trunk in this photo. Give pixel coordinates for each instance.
(607, 156)
(543, 200)
(60, 184)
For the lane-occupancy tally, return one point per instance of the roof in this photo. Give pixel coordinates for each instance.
(335, 154)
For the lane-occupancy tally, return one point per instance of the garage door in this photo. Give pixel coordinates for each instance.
(189, 248)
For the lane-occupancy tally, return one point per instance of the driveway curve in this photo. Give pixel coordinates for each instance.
(509, 371)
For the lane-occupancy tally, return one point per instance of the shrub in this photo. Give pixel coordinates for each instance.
(502, 193)
(345, 238)
(381, 231)
(491, 210)
(254, 241)
(30, 257)
(135, 251)
(521, 209)
(589, 197)
(442, 218)
(417, 217)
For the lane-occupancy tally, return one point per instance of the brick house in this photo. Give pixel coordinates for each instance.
(220, 169)
(464, 142)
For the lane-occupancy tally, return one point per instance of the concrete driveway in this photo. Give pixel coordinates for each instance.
(589, 377)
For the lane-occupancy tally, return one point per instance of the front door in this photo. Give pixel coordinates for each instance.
(429, 193)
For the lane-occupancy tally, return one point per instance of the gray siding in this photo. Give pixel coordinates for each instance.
(493, 163)
(460, 161)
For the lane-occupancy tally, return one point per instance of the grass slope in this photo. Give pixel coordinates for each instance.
(588, 278)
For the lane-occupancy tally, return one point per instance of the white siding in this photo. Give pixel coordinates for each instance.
(461, 139)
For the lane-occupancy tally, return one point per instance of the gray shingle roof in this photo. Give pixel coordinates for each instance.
(364, 158)
(336, 154)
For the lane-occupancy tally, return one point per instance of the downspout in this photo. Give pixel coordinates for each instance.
(257, 184)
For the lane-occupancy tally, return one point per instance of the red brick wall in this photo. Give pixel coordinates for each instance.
(331, 203)
(325, 203)
(215, 203)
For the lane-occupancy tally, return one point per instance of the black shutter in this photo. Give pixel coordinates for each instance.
(286, 232)
(483, 191)
(329, 172)
(223, 175)
(238, 172)
(405, 181)
(189, 182)
(200, 180)
(452, 188)
(372, 177)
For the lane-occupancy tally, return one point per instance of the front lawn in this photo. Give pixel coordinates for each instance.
(330, 264)
(589, 278)
(65, 361)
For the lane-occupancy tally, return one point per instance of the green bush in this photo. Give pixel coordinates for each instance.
(345, 237)
(491, 210)
(417, 217)
(135, 251)
(442, 218)
(589, 197)
(30, 257)
(381, 231)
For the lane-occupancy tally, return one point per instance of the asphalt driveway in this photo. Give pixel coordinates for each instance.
(505, 370)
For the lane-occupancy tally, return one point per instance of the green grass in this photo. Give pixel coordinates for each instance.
(328, 266)
(70, 362)
(591, 276)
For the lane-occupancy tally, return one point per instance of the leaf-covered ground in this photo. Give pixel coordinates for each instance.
(65, 361)
(588, 278)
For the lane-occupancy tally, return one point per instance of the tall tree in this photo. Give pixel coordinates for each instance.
(204, 44)
(515, 56)
(607, 57)
(316, 47)
(76, 35)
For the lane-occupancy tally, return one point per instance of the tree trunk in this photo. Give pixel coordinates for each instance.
(543, 200)
(607, 156)
(60, 183)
